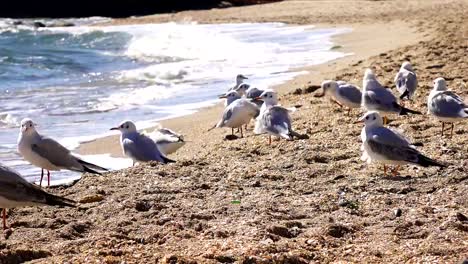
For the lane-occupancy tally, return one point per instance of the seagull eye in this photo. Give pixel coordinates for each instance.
(126, 126)
(367, 117)
(122, 126)
(374, 118)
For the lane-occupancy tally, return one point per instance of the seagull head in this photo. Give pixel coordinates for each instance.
(407, 66)
(240, 78)
(125, 127)
(369, 74)
(231, 96)
(242, 88)
(269, 97)
(329, 86)
(27, 126)
(440, 84)
(372, 119)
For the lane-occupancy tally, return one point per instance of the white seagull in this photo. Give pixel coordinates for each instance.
(273, 119)
(238, 113)
(342, 93)
(15, 191)
(48, 154)
(406, 81)
(385, 146)
(375, 97)
(167, 140)
(445, 105)
(137, 146)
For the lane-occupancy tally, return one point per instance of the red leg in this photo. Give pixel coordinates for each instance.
(4, 219)
(42, 176)
(451, 131)
(443, 124)
(385, 169)
(48, 178)
(349, 111)
(242, 134)
(269, 140)
(232, 131)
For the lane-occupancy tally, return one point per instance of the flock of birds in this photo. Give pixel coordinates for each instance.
(243, 103)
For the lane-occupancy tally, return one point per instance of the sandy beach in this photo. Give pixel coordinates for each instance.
(304, 201)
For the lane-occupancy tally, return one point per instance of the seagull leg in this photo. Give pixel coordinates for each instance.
(232, 131)
(42, 176)
(385, 120)
(269, 139)
(4, 219)
(443, 124)
(385, 169)
(48, 178)
(242, 134)
(336, 102)
(451, 130)
(349, 111)
(395, 171)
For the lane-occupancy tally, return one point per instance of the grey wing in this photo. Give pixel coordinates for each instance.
(13, 187)
(381, 100)
(389, 137)
(277, 120)
(411, 82)
(393, 152)
(56, 154)
(227, 114)
(447, 104)
(253, 92)
(141, 148)
(170, 135)
(351, 92)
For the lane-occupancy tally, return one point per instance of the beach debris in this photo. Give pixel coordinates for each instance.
(137, 146)
(48, 154)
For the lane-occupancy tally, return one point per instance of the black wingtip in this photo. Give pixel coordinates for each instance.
(55, 200)
(91, 167)
(406, 93)
(426, 162)
(167, 160)
(406, 111)
(86, 169)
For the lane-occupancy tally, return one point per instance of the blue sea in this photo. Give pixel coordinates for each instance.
(77, 82)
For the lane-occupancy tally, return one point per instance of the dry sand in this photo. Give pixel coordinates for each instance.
(305, 201)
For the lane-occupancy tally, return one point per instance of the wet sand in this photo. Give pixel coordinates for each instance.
(305, 201)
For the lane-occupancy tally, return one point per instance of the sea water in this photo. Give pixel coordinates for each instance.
(77, 82)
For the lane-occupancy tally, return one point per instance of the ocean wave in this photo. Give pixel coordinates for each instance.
(8, 121)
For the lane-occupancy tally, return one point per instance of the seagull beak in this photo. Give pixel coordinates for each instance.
(114, 128)
(360, 120)
(258, 98)
(243, 77)
(222, 96)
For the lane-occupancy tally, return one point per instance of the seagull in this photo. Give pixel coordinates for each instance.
(242, 89)
(48, 154)
(167, 140)
(15, 191)
(273, 119)
(445, 105)
(238, 113)
(253, 93)
(383, 145)
(230, 97)
(239, 80)
(342, 93)
(137, 146)
(377, 98)
(406, 81)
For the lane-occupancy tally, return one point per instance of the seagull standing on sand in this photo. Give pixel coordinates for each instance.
(137, 146)
(48, 154)
(406, 81)
(167, 140)
(239, 80)
(342, 93)
(238, 113)
(377, 98)
(273, 119)
(445, 105)
(383, 145)
(15, 191)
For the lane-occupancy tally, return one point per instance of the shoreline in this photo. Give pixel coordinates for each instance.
(352, 43)
(303, 201)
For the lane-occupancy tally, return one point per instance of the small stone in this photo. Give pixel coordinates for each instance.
(142, 206)
(461, 217)
(397, 212)
(92, 198)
